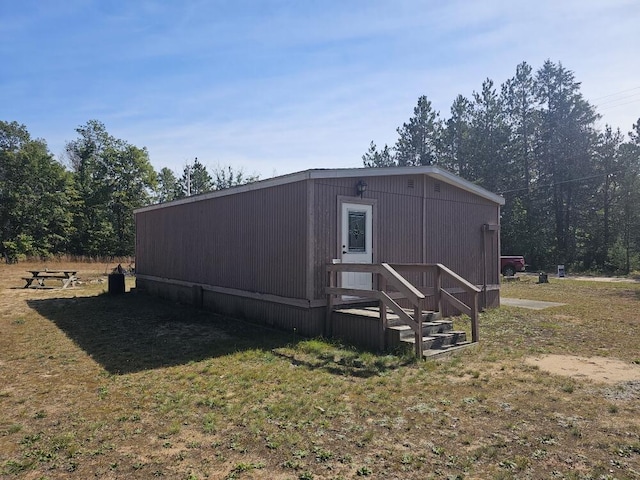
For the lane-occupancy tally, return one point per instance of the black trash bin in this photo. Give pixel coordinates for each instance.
(116, 283)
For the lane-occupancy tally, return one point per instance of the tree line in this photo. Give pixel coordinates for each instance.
(572, 190)
(85, 206)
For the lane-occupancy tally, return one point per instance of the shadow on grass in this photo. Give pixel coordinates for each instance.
(130, 333)
(347, 363)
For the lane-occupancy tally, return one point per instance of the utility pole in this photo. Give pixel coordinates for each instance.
(187, 170)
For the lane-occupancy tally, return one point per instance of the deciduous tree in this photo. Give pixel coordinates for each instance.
(226, 177)
(35, 196)
(168, 186)
(113, 178)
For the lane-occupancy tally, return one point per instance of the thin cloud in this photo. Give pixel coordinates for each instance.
(284, 85)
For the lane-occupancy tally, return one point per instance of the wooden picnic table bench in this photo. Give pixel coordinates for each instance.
(68, 277)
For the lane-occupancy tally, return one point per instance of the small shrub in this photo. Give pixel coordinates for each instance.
(323, 455)
(364, 471)
(14, 467)
(292, 464)
(15, 428)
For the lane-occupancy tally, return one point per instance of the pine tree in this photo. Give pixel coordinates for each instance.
(419, 139)
(629, 203)
(523, 118)
(488, 163)
(195, 179)
(375, 158)
(457, 142)
(566, 141)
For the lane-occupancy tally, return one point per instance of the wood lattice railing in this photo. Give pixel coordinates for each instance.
(390, 286)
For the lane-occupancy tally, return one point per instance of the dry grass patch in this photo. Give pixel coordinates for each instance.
(133, 387)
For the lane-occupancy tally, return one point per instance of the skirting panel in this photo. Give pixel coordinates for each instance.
(308, 322)
(356, 330)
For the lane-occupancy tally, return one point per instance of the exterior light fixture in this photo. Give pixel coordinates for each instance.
(361, 187)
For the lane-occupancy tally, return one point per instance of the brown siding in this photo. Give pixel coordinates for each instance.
(454, 225)
(325, 241)
(407, 206)
(254, 241)
(272, 241)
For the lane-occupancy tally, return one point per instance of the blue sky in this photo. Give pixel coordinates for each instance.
(274, 87)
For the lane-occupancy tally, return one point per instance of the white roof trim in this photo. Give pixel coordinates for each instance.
(431, 171)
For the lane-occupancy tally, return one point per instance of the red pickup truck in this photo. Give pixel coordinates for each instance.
(510, 264)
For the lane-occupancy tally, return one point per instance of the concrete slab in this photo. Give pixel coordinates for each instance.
(530, 304)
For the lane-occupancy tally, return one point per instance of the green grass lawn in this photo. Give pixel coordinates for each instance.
(132, 387)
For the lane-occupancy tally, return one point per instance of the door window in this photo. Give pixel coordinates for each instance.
(357, 232)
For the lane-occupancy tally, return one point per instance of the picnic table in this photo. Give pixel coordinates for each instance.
(68, 277)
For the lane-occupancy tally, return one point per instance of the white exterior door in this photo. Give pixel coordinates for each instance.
(357, 243)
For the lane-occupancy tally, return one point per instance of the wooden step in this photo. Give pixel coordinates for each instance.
(427, 315)
(401, 330)
(394, 320)
(448, 339)
(438, 342)
(443, 352)
(438, 336)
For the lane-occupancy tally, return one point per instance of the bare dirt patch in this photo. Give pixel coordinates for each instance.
(530, 304)
(597, 369)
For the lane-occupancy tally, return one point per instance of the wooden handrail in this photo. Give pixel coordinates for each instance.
(389, 276)
(392, 277)
(463, 307)
(467, 287)
(441, 294)
(470, 289)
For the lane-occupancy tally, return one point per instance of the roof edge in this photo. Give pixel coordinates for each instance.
(429, 170)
